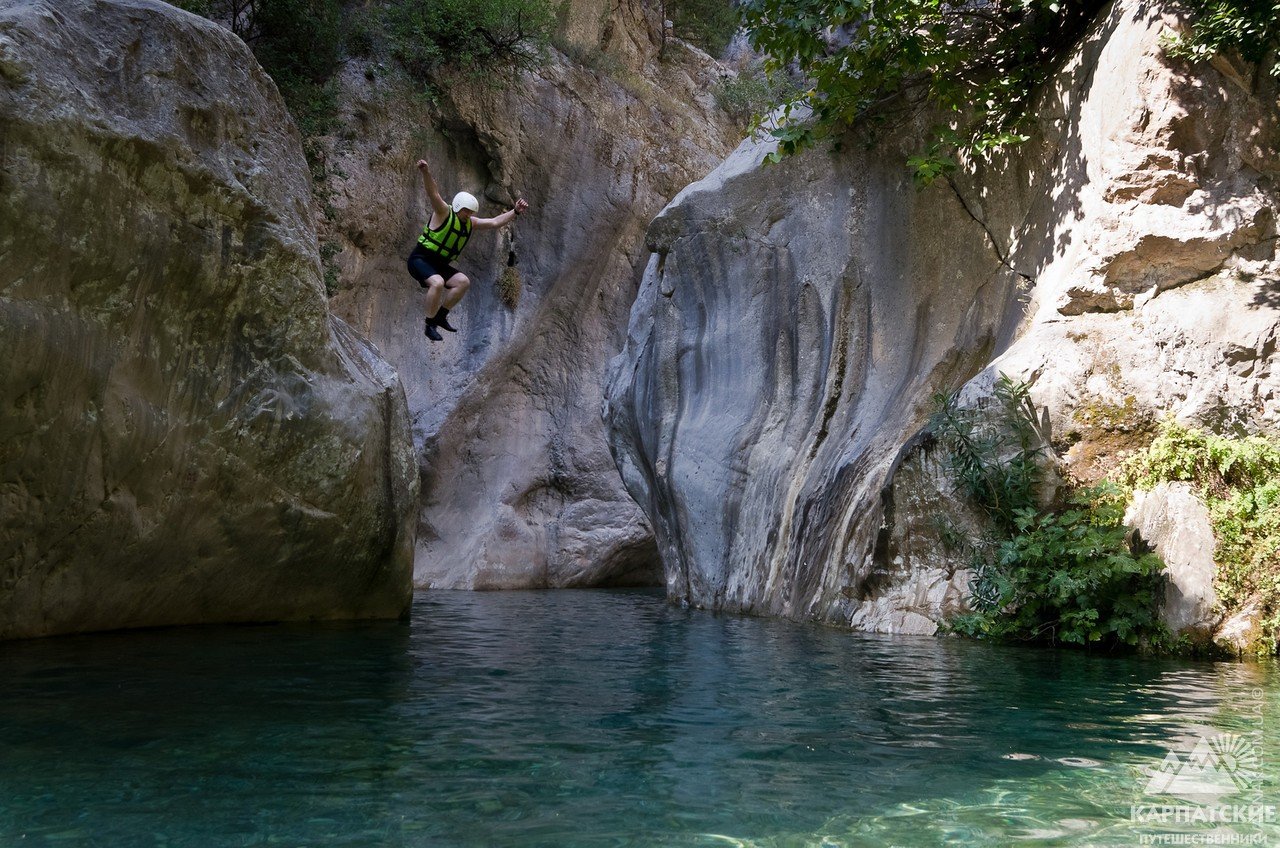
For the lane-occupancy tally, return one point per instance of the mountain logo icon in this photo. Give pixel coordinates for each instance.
(1225, 764)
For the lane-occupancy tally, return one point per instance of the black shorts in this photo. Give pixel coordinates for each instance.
(424, 263)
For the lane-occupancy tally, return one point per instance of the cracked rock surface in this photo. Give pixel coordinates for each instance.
(186, 434)
(794, 321)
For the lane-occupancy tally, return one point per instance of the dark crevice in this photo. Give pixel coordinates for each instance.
(995, 244)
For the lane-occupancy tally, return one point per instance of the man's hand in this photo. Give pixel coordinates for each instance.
(423, 166)
(521, 205)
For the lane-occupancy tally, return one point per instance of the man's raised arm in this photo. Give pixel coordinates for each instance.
(433, 191)
(500, 220)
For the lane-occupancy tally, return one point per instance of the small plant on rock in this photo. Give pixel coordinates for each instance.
(1238, 478)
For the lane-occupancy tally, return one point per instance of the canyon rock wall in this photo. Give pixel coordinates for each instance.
(186, 433)
(788, 334)
(519, 487)
(794, 321)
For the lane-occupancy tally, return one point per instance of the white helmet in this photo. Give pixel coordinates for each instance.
(463, 200)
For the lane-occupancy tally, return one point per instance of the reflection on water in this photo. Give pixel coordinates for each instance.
(598, 718)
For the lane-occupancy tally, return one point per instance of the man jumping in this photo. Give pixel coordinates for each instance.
(442, 239)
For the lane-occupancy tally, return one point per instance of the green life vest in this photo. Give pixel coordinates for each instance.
(449, 240)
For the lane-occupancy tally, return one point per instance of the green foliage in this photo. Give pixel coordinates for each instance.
(976, 67)
(1239, 481)
(300, 47)
(313, 106)
(1069, 576)
(328, 250)
(753, 92)
(1059, 574)
(994, 456)
(298, 42)
(710, 24)
(879, 64)
(358, 38)
(1251, 27)
(475, 37)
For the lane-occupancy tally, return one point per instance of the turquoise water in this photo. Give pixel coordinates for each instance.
(600, 719)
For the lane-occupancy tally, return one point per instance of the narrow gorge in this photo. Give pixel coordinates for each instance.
(898, 466)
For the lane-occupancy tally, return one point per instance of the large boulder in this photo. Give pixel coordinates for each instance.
(1173, 521)
(794, 321)
(186, 434)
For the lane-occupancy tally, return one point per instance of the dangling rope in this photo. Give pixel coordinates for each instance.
(509, 279)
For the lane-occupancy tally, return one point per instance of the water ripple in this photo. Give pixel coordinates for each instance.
(592, 719)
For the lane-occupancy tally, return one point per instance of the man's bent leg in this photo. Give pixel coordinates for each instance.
(435, 293)
(457, 286)
(435, 290)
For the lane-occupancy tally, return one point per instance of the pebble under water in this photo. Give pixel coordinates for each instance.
(607, 718)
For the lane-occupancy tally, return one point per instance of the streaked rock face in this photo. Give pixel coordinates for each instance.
(794, 321)
(186, 434)
(787, 337)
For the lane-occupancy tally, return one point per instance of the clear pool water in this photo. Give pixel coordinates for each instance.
(606, 719)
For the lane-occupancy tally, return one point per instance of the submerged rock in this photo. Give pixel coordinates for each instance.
(186, 434)
(794, 321)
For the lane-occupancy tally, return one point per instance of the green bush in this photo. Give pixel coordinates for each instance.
(358, 38)
(1069, 576)
(474, 37)
(753, 92)
(1062, 573)
(710, 24)
(1251, 27)
(1239, 481)
(875, 64)
(298, 42)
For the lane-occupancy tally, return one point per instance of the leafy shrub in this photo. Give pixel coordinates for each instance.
(879, 64)
(358, 39)
(475, 37)
(298, 42)
(1069, 576)
(995, 456)
(1059, 573)
(753, 92)
(1239, 481)
(710, 24)
(1250, 26)
(873, 64)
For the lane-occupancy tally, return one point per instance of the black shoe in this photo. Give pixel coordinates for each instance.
(431, 332)
(442, 320)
